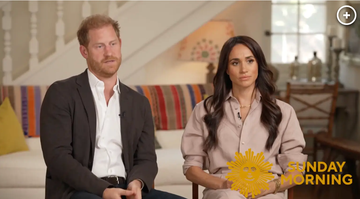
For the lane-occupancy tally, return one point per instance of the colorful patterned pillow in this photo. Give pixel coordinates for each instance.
(172, 105)
(26, 102)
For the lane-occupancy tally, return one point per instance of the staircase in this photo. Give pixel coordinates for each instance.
(147, 29)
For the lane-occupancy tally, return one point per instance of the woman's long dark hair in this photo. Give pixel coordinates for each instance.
(214, 105)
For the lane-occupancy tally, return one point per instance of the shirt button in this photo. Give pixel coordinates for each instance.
(236, 108)
(239, 126)
(110, 152)
(242, 143)
(111, 171)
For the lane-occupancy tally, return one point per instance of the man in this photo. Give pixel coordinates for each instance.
(97, 135)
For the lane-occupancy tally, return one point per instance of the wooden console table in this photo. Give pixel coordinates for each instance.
(346, 114)
(349, 149)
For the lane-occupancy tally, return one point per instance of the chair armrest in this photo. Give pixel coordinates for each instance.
(195, 191)
(290, 193)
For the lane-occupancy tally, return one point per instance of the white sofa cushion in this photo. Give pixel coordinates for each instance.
(34, 144)
(27, 169)
(169, 139)
(170, 163)
(22, 169)
(22, 193)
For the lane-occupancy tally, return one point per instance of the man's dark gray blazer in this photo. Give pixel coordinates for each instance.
(68, 131)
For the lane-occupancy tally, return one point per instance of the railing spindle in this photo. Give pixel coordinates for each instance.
(86, 9)
(7, 60)
(112, 8)
(60, 26)
(34, 43)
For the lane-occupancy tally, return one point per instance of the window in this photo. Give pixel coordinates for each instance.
(298, 29)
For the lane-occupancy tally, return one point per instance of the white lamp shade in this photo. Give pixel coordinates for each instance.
(205, 43)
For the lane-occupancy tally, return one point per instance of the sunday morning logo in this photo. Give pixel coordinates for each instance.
(250, 173)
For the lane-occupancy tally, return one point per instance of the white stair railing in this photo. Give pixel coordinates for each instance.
(60, 26)
(86, 9)
(2, 3)
(6, 26)
(112, 8)
(58, 50)
(34, 43)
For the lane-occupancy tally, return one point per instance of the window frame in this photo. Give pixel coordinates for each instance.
(298, 3)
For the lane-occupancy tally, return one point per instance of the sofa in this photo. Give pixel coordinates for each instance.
(22, 173)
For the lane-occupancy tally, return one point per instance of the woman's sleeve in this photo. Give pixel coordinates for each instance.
(293, 143)
(192, 141)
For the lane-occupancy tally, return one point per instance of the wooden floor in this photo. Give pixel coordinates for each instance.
(328, 192)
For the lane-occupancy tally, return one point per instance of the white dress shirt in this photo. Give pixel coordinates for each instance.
(108, 143)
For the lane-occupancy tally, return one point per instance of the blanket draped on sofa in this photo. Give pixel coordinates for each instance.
(171, 104)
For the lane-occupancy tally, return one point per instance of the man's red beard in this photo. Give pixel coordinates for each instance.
(104, 70)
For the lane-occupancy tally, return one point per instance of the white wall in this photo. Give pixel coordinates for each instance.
(349, 74)
(166, 69)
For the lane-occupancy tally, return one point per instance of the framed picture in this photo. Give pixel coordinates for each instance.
(351, 53)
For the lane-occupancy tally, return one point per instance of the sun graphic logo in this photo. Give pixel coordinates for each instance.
(249, 173)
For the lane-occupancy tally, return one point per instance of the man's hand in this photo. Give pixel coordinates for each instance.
(135, 186)
(116, 193)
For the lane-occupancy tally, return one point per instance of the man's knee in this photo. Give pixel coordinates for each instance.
(157, 194)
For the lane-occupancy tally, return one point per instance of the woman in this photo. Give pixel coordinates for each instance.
(241, 115)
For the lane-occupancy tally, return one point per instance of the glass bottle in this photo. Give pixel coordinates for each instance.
(314, 69)
(294, 69)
